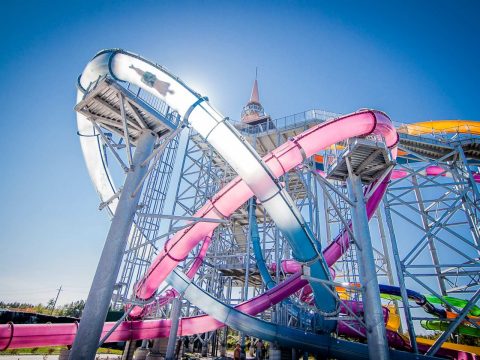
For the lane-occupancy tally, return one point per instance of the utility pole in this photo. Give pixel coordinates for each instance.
(55, 303)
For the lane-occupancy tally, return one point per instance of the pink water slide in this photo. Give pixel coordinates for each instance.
(223, 204)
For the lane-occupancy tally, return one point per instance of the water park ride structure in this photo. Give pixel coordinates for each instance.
(262, 225)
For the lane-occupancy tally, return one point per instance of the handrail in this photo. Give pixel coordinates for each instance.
(138, 93)
(287, 122)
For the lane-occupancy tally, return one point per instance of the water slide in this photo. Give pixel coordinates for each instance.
(255, 305)
(441, 126)
(439, 325)
(261, 178)
(257, 178)
(353, 328)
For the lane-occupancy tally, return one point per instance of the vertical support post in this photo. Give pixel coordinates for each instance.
(401, 279)
(376, 333)
(223, 346)
(383, 238)
(98, 301)
(313, 182)
(470, 211)
(430, 237)
(386, 255)
(247, 264)
(277, 270)
(248, 244)
(327, 217)
(128, 148)
(471, 180)
(129, 350)
(172, 337)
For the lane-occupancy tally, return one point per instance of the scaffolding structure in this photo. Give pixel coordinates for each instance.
(426, 236)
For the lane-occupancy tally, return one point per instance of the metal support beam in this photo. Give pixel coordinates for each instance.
(98, 301)
(126, 135)
(247, 246)
(430, 239)
(376, 333)
(186, 218)
(172, 337)
(453, 325)
(401, 279)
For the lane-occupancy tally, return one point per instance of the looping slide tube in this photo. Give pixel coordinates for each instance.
(172, 293)
(256, 177)
(232, 146)
(255, 172)
(287, 156)
(195, 325)
(290, 337)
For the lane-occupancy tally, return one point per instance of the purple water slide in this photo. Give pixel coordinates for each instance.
(231, 197)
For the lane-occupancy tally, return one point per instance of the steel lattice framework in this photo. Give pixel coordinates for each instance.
(425, 237)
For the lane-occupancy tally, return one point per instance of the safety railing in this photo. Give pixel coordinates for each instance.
(154, 102)
(445, 130)
(287, 122)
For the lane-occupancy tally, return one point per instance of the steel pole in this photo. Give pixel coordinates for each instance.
(386, 257)
(376, 333)
(98, 301)
(401, 279)
(430, 238)
(172, 337)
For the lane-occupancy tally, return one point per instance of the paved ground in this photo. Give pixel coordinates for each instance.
(52, 357)
(99, 357)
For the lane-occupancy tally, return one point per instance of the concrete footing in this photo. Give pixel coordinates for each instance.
(64, 353)
(158, 350)
(153, 356)
(140, 354)
(283, 354)
(129, 350)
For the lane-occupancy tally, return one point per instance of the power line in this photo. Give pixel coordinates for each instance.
(58, 294)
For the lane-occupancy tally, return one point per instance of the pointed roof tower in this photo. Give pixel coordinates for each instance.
(253, 112)
(254, 97)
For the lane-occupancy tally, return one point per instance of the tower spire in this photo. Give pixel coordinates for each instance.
(253, 111)
(254, 97)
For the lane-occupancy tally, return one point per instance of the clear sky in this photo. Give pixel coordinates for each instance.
(415, 60)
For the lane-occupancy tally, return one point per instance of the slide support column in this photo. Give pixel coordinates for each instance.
(376, 333)
(98, 301)
(172, 337)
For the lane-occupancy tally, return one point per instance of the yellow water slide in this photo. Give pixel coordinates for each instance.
(451, 346)
(441, 126)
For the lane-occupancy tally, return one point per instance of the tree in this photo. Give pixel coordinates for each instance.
(74, 309)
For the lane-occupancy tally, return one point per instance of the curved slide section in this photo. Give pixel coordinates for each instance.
(26, 335)
(286, 336)
(256, 305)
(281, 160)
(172, 293)
(226, 140)
(439, 325)
(444, 126)
(460, 303)
(257, 250)
(259, 178)
(393, 292)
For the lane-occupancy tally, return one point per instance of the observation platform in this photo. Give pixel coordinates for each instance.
(107, 103)
(237, 272)
(368, 157)
(436, 148)
(267, 136)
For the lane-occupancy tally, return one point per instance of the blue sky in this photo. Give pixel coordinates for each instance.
(414, 60)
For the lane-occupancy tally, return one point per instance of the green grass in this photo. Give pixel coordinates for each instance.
(53, 350)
